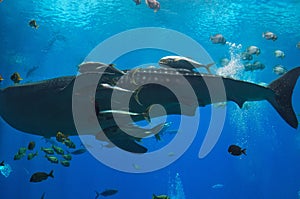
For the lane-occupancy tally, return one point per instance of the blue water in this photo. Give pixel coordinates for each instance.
(69, 30)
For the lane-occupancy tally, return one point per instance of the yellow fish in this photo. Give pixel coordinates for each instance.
(16, 77)
(33, 24)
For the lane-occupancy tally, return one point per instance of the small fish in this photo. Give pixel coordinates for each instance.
(43, 196)
(65, 163)
(30, 71)
(236, 150)
(60, 137)
(2, 163)
(22, 150)
(18, 156)
(246, 56)
(107, 192)
(269, 36)
(1, 78)
(31, 145)
(298, 45)
(40, 176)
(279, 54)
(153, 4)
(58, 150)
(52, 159)
(69, 144)
(67, 157)
(255, 66)
(218, 39)
(160, 197)
(16, 78)
(258, 65)
(253, 50)
(31, 155)
(217, 186)
(78, 151)
(49, 151)
(33, 24)
(279, 70)
(137, 2)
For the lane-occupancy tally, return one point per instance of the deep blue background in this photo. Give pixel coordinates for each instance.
(69, 30)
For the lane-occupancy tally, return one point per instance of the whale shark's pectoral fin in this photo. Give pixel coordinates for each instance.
(239, 102)
(124, 141)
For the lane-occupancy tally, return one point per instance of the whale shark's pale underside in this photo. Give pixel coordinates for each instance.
(44, 108)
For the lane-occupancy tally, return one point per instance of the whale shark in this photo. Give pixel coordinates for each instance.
(46, 107)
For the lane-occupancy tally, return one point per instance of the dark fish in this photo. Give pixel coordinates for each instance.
(2, 163)
(30, 71)
(97, 194)
(78, 151)
(31, 145)
(236, 150)
(60, 137)
(31, 155)
(218, 39)
(33, 24)
(43, 196)
(246, 56)
(65, 163)
(18, 156)
(109, 192)
(40, 176)
(67, 157)
(69, 144)
(16, 78)
(137, 2)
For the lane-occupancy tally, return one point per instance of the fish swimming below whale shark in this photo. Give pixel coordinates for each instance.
(45, 107)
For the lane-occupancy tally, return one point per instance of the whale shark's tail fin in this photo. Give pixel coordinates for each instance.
(283, 88)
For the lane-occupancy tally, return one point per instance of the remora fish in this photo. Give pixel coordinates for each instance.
(45, 107)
